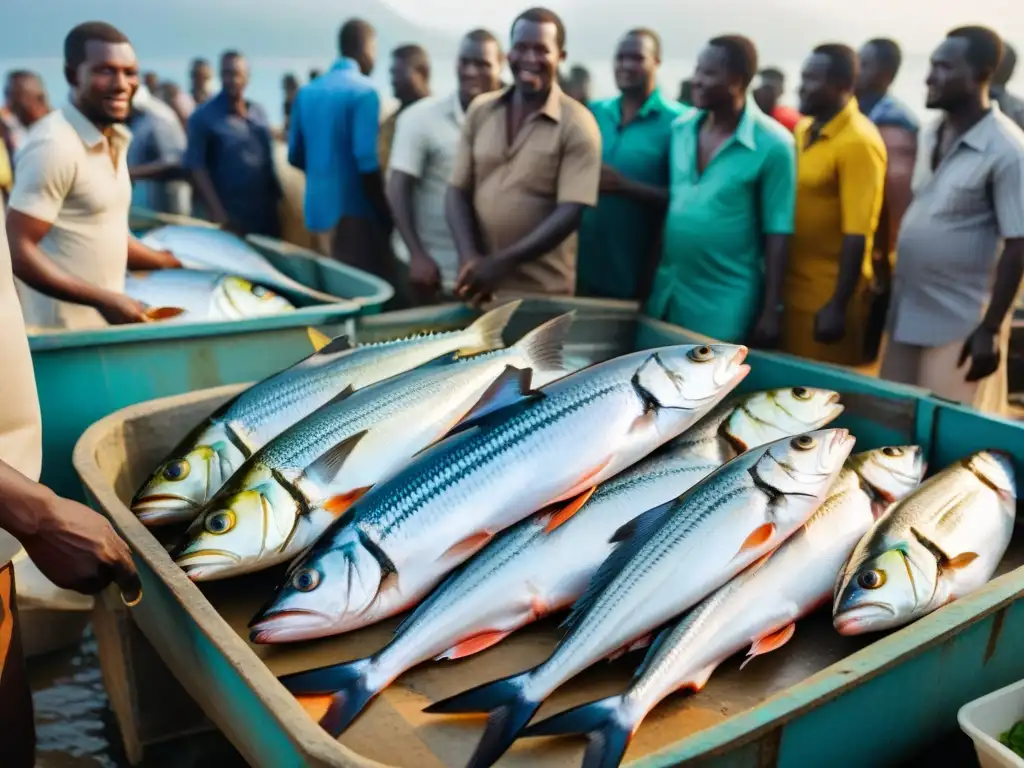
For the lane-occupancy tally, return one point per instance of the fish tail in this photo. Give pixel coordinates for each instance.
(601, 721)
(345, 685)
(544, 345)
(488, 331)
(510, 710)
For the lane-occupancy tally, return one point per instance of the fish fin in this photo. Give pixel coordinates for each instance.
(769, 643)
(340, 504)
(698, 680)
(570, 508)
(490, 329)
(587, 480)
(511, 387)
(333, 695)
(510, 710)
(962, 560)
(440, 361)
(340, 344)
(468, 546)
(544, 346)
(660, 636)
(317, 339)
(628, 545)
(324, 469)
(341, 396)
(156, 314)
(758, 537)
(473, 645)
(605, 724)
(634, 645)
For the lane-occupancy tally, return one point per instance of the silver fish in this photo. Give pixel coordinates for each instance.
(397, 542)
(759, 608)
(528, 571)
(285, 496)
(671, 558)
(214, 450)
(209, 248)
(204, 296)
(940, 543)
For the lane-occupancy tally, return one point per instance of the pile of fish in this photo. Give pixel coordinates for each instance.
(224, 278)
(486, 487)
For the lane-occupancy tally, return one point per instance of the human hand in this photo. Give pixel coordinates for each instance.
(479, 278)
(170, 261)
(611, 180)
(830, 323)
(119, 309)
(982, 347)
(424, 274)
(767, 330)
(76, 548)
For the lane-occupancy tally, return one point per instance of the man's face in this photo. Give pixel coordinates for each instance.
(106, 81)
(872, 76)
(407, 82)
(26, 99)
(234, 76)
(202, 74)
(951, 81)
(712, 83)
(535, 55)
(479, 68)
(636, 64)
(818, 94)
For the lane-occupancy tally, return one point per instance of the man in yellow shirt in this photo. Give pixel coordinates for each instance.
(841, 165)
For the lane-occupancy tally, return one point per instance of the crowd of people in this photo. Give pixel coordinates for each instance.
(828, 231)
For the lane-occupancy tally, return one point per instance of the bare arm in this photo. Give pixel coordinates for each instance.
(145, 258)
(204, 186)
(373, 188)
(612, 181)
(776, 204)
(400, 195)
(159, 170)
(547, 236)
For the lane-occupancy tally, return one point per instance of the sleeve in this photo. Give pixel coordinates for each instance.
(463, 174)
(579, 172)
(296, 137)
(1007, 193)
(861, 167)
(43, 178)
(409, 145)
(198, 142)
(778, 188)
(366, 132)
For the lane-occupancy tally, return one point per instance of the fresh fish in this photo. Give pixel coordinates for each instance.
(759, 608)
(204, 296)
(528, 572)
(209, 248)
(671, 558)
(940, 543)
(285, 496)
(398, 541)
(214, 450)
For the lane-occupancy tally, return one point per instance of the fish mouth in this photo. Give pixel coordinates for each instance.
(288, 626)
(854, 621)
(204, 564)
(163, 507)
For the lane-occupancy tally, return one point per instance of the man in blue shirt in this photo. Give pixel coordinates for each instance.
(231, 158)
(335, 126)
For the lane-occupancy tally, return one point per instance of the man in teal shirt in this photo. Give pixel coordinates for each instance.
(730, 215)
(618, 239)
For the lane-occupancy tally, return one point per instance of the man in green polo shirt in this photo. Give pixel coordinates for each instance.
(618, 239)
(730, 215)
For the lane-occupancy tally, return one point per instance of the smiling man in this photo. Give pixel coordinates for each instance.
(529, 163)
(68, 219)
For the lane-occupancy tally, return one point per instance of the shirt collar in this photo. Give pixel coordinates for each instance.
(980, 133)
(552, 106)
(841, 120)
(92, 136)
(655, 104)
(745, 133)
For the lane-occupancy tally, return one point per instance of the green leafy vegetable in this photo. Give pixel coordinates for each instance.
(1013, 739)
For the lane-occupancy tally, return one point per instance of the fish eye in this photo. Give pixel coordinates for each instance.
(260, 292)
(701, 354)
(306, 579)
(804, 442)
(801, 393)
(871, 579)
(220, 522)
(176, 470)
(892, 451)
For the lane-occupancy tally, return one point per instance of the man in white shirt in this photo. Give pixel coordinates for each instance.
(68, 223)
(423, 154)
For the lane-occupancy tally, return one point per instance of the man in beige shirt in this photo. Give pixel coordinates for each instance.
(68, 223)
(422, 160)
(529, 162)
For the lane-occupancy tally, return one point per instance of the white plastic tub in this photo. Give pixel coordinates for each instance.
(985, 718)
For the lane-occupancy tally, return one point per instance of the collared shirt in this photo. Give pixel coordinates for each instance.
(951, 234)
(66, 177)
(157, 136)
(425, 146)
(1012, 106)
(711, 275)
(840, 185)
(335, 123)
(888, 111)
(616, 238)
(236, 152)
(555, 159)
